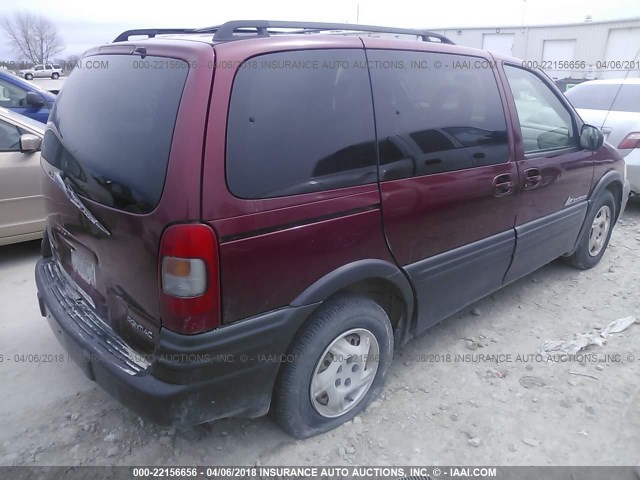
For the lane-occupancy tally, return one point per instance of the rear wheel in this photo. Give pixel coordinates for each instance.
(596, 237)
(340, 361)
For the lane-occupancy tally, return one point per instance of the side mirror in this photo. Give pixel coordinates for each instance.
(590, 137)
(34, 99)
(29, 143)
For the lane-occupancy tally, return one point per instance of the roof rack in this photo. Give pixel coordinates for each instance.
(151, 32)
(227, 31)
(239, 29)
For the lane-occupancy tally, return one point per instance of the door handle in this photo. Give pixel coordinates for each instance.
(532, 178)
(502, 185)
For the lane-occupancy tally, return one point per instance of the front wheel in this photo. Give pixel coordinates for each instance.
(596, 237)
(55, 76)
(28, 76)
(340, 361)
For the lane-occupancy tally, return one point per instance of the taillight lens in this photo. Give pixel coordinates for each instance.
(189, 279)
(631, 141)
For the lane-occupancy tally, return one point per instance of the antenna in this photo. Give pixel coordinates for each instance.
(618, 92)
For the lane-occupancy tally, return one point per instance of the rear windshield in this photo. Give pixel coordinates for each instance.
(606, 96)
(113, 130)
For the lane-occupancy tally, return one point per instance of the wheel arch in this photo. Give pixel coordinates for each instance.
(615, 187)
(611, 181)
(382, 281)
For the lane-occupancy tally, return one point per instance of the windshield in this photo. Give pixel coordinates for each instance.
(606, 96)
(112, 131)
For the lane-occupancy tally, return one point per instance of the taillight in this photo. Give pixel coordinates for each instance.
(189, 278)
(631, 141)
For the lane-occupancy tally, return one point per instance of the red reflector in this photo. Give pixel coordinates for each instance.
(180, 246)
(631, 141)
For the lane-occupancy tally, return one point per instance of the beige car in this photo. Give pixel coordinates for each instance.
(22, 212)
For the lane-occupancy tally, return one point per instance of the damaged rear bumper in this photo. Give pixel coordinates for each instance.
(189, 379)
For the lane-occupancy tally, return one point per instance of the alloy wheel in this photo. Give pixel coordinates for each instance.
(599, 230)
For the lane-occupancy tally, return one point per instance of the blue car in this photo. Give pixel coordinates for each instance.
(25, 98)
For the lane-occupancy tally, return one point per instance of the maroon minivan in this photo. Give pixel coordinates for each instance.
(261, 210)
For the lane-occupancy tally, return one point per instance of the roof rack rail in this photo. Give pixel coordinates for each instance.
(150, 32)
(238, 29)
(259, 28)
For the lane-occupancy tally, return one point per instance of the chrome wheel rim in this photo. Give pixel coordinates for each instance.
(344, 373)
(599, 230)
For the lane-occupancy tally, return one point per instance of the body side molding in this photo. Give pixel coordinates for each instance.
(543, 240)
(449, 281)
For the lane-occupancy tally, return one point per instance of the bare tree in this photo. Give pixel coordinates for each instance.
(32, 36)
(70, 62)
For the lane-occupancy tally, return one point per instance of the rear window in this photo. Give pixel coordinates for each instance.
(605, 97)
(114, 127)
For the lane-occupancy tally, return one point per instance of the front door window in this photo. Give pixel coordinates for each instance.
(545, 122)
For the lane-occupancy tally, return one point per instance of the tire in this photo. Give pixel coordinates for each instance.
(590, 250)
(55, 76)
(314, 352)
(28, 76)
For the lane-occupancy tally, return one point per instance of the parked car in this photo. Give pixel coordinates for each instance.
(614, 106)
(234, 234)
(47, 70)
(567, 84)
(22, 214)
(25, 98)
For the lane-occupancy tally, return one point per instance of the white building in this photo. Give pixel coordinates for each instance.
(585, 50)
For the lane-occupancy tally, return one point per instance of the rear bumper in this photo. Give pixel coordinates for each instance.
(189, 379)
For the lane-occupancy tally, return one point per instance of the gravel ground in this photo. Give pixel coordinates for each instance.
(439, 406)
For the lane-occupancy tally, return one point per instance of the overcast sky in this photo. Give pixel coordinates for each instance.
(84, 24)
